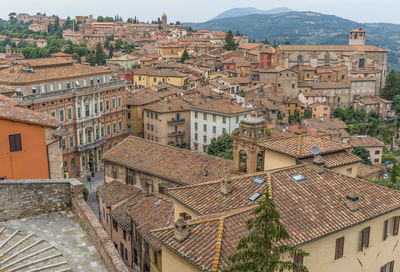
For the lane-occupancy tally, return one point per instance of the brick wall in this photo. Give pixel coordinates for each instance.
(23, 198)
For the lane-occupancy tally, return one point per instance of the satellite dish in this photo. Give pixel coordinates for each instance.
(315, 150)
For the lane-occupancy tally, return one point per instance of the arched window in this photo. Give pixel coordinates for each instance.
(65, 166)
(299, 59)
(242, 161)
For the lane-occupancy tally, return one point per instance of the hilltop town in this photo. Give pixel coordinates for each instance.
(147, 146)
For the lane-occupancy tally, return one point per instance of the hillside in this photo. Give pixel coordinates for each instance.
(237, 12)
(308, 28)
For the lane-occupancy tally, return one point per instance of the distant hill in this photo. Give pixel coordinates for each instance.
(237, 12)
(308, 28)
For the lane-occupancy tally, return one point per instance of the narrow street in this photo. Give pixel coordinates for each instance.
(92, 187)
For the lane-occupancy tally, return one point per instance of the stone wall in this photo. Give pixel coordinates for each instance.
(23, 198)
(95, 230)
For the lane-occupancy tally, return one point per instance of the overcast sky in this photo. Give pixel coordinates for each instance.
(203, 10)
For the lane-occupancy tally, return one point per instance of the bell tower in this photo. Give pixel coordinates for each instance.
(164, 19)
(247, 157)
(357, 37)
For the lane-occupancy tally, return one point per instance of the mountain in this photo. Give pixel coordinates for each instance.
(237, 12)
(308, 28)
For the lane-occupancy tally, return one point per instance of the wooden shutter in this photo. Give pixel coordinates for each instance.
(391, 266)
(298, 260)
(12, 143)
(18, 144)
(339, 248)
(367, 236)
(385, 227)
(364, 238)
(396, 225)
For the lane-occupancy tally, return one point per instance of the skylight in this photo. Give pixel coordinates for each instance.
(158, 201)
(298, 177)
(255, 196)
(259, 180)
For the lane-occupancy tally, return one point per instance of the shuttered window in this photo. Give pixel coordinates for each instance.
(339, 248)
(396, 221)
(365, 238)
(391, 227)
(298, 260)
(15, 142)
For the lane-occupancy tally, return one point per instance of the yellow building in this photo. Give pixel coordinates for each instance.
(152, 78)
(138, 99)
(344, 223)
(171, 51)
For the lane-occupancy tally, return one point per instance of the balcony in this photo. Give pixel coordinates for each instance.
(176, 133)
(176, 121)
(113, 84)
(181, 145)
(92, 145)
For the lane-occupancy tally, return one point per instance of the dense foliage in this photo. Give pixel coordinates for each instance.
(184, 56)
(362, 153)
(260, 250)
(221, 147)
(230, 43)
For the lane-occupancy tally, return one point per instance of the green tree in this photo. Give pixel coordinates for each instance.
(184, 56)
(110, 52)
(118, 44)
(307, 113)
(91, 59)
(100, 56)
(100, 19)
(363, 154)
(392, 86)
(261, 249)
(221, 147)
(230, 42)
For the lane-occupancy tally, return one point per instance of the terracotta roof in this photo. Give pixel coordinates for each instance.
(365, 141)
(175, 164)
(240, 61)
(117, 191)
(18, 114)
(142, 97)
(7, 100)
(242, 80)
(157, 72)
(373, 100)
(348, 48)
(249, 46)
(327, 124)
(171, 105)
(309, 210)
(336, 159)
(151, 212)
(299, 146)
(224, 106)
(365, 170)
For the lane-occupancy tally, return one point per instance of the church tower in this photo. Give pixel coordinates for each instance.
(357, 37)
(247, 156)
(164, 19)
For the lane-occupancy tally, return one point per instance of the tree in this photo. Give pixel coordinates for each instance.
(118, 44)
(363, 154)
(307, 113)
(91, 59)
(12, 15)
(260, 250)
(110, 52)
(230, 42)
(392, 86)
(221, 147)
(100, 19)
(178, 23)
(100, 56)
(184, 56)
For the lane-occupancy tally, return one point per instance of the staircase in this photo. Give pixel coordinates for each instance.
(21, 252)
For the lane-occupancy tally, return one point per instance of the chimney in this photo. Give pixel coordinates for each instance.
(318, 164)
(205, 172)
(226, 186)
(181, 229)
(352, 201)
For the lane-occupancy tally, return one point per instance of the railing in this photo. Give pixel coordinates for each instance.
(91, 145)
(176, 133)
(176, 121)
(180, 145)
(113, 83)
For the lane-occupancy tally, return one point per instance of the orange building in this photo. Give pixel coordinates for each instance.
(29, 146)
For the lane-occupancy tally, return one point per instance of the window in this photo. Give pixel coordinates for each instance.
(361, 63)
(114, 127)
(84, 82)
(51, 86)
(293, 85)
(77, 83)
(377, 152)
(237, 119)
(72, 163)
(68, 85)
(376, 160)
(78, 109)
(102, 131)
(69, 113)
(120, 125)
(98, 80)
(205, 139)
(53, 113)
(339, 248)
(119, 102)
(298, 260)
(59, 85)
(185, 216)
(43, 88)
(15, 142)
(113, 103)
(62, 115)
(205, 116)
(214, 129)
(196, 114)
(196, 125)
(124, 234)
(155, 258)
(95, 108)
(71, 140)
(115, 226)
(299, 59)
(224, 120)
(391, 227)
(107, 104)
(214, 118)
(128, 116)
(388, 267)
(80, 138)
(108, 129)
(223, 130)
(349, 171)
(326, 59)
(101, 105)
(205, 127)
(63, 145)
(34, 88)
(365, 238)
(87, 111)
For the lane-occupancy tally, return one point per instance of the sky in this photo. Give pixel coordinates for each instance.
(362, 11)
